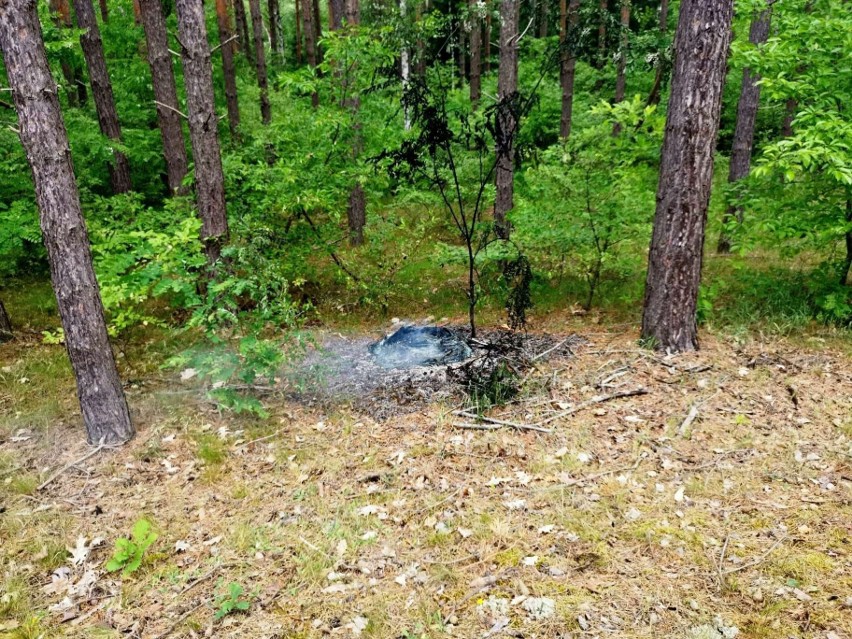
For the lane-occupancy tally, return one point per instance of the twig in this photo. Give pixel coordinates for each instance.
(222, 44)
(179, 621)
(721, 567)
(535, 358)
(443, 501)
(597, 399)
(757, 561)
(690, 417)
(500, 422)
(258, 440)
(171, 108)
(91, 453)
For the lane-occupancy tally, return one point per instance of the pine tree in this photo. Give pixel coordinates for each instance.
(260, 60)
(507, 91)
(228, 48)
(569, 17)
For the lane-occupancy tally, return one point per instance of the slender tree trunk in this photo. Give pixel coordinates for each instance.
(317, 30)
(137, 12)
(298, 5)
(488, 36)
(93, 51)
(260, 60)
(543, 17)
(62, 18)
(404, 64)
(662, 65)
(507, 119)
(604, 10)
(226, 32)
(356, 212)
(847, 263)
(420, 62)
(241, 21)
(568, 63)
(275, 35)
(744, 132)
(6, 331)
(104, 10)
(462, 54)
(310, 40)
(790, 108)
(686, 171)
(203, 126)
(624, 41)
(475, 53)
(43, 135)
(165, 93)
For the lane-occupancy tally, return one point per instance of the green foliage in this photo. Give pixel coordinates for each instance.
(232, 601)
(129, 553)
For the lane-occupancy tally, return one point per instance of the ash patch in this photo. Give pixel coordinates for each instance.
(342, 370)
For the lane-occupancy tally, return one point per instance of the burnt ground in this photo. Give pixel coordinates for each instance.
(699, 496)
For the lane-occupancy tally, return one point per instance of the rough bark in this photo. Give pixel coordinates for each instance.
(5, 324)
(309, 32)
(744, 132)
(507, 123)
(276, 37)
(686, 171)
(74, 83)
(603, 10)
(543, 18)
(475, 53)
(317, 30)
(569, 17)
(662, 66)
(93, 52)
(242, 25)
(203, 126)
(226, 32)
(45, 140)
(356, 212)
(260, 61)
(624, 40)
(165, 92)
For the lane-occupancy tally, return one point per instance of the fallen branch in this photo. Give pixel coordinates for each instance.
(499, 422)
(535, 358)
(91, 453)
(597, 399)
(757, 561)
(690, 417)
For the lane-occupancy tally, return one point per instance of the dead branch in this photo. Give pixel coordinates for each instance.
(757, 561)
(690, 417)
(171, 108)
(91, 453)
(499, 422)
(597, 399)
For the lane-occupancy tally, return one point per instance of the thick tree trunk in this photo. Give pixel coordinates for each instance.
(203, 126)
(43, 135)
(244, 30)
(744, 132)
(662, 66)
(260, 61)
(226, 32)
(310, 40)
(5, 324)
(356, 212)
(686, 171)
(569, 18)
(165, 93)
(543, 18)
(603, 11)
(276, 37)
(624, 42)
(475, 53)
(507, 122)
(93, 51)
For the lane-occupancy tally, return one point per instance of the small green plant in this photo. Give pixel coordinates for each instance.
(128, 552)
(232, 601)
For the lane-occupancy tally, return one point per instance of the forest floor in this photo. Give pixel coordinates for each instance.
(720, 499)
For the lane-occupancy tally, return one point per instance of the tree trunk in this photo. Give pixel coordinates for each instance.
(790, 108)
(568, 63)
(404, 63)
(5, 325)
(662, 66)
(624, 41)
(104, 10)
(298, 5)
(260, 61)
(686, 171)
(242, 25)
(165, 93)
(275, 34)
(744, 131)
(604, 10)
(462, 54)
(488, 36)
(847, 263)
(229, 73)
(543, 16)
(43, 135)
(475, 53)
(203, 126)
(93, 51)
(317, 30)
(356, 212)
(420, 62)
(507, 122)
(62, 18)
(310, 40)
